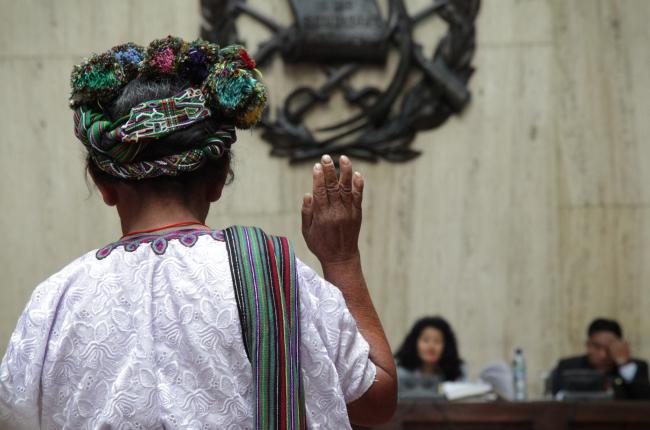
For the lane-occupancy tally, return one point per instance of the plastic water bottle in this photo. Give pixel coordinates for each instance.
(519, 375)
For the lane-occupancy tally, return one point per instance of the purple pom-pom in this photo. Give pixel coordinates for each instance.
(195, 68)
(197, 56)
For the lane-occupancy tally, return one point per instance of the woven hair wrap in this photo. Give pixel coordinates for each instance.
(222, 83)
(114, 145)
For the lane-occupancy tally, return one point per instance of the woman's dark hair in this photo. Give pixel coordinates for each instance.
(143, 89)
(450, 363)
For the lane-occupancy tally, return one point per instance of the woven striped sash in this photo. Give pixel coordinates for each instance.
(264, 276)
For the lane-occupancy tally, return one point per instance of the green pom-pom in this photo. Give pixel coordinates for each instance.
(98, 78)
(233, 89)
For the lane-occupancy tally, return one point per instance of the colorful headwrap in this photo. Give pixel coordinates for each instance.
(222, 84)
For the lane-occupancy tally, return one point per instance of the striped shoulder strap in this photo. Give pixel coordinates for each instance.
(264, 276)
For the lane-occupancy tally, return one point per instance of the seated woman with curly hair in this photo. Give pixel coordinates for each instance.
(430, 351)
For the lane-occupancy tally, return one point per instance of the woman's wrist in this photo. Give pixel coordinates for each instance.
(347, 264)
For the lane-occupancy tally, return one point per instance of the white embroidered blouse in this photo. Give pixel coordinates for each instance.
(145, 334)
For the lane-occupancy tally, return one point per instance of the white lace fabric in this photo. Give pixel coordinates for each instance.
(138, 340)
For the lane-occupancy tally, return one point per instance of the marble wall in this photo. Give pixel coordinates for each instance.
(523, 219)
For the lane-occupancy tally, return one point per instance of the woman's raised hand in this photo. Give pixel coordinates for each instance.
(331, 214)
(331, 220)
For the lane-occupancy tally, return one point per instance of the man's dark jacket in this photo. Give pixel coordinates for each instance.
(638, 388)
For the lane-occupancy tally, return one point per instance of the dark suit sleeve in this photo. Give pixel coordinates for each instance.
(639, 387)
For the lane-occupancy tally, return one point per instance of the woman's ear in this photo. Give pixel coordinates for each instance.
(214, 189)
(214, 185)
(107, 189)
(108, 192)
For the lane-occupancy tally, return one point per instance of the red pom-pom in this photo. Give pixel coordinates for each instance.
(250, 63)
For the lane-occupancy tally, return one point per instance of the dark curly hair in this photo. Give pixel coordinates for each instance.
(450, 363)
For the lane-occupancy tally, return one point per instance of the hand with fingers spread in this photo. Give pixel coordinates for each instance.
(331, 214)
(331, 221)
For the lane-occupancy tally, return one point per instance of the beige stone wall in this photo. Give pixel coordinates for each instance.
(521, 221)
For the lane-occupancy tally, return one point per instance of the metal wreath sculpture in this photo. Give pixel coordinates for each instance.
(388, 120)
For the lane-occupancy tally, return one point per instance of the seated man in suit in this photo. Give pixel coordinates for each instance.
(609, 353)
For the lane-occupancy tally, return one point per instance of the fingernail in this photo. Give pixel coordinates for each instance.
(344, 160)
(358, 179)
(307, 199)
(317, 167)
(326, 159)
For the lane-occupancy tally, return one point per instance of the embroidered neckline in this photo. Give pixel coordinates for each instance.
(159, 241)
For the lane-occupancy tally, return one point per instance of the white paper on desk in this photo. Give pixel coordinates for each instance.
(499, 375)
(461, 390)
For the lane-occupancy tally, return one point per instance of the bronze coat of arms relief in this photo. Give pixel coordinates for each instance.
(343, 39)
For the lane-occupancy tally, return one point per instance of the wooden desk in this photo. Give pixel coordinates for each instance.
(609, 415)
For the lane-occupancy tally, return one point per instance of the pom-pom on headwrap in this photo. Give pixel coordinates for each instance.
(101, 77)
(197, 60)
(129, 55)
(234, 89)
(222, 85)
(163, 56)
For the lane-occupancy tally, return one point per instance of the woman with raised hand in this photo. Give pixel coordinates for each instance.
(177, 324)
